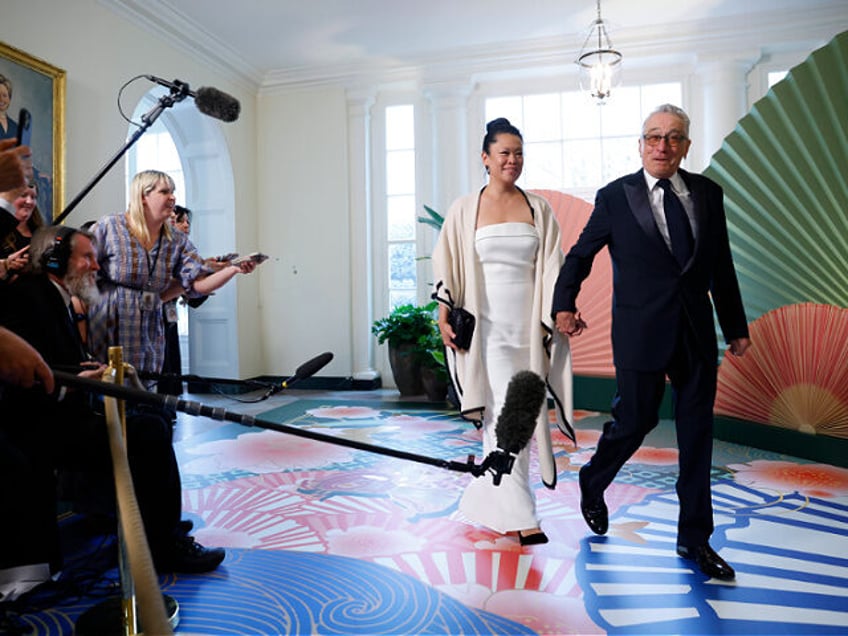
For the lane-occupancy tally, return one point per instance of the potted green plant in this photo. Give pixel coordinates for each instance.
(434, 375)
(405, 330)
(433, 218)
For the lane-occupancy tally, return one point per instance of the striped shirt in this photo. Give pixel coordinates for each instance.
(129, 312)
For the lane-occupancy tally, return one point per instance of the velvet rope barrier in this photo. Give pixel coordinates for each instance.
(217, 413)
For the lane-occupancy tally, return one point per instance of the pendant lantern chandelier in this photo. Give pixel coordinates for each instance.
(599, 62)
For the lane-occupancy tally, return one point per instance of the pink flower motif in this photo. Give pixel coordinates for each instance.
(264, 452)
(580, 414)
(587, 438)
(411, 427)
(227, 538)
(655, 456)
(817, 480)
(344, 412)
(372, 541)
(406, 420)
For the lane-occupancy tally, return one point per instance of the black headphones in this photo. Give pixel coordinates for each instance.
(55, 258)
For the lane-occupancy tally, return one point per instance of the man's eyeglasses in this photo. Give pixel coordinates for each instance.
(672, 139)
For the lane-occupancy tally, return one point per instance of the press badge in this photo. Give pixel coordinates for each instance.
(148, 301)
(171, 312)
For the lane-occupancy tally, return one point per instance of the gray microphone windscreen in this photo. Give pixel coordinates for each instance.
(217, 104)
(525, 394)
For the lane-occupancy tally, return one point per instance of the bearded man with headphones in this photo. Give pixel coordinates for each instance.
(66, 431)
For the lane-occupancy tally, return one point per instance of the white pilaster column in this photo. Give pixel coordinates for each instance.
(450, 143)
(361, 283)
(724, 86)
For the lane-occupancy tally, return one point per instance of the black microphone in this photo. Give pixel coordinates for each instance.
(308, 368)
(525, 394)
(209, 101)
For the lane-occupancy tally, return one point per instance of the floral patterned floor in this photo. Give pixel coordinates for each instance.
(326, 539)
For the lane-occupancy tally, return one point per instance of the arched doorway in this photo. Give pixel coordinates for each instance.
(207, 181)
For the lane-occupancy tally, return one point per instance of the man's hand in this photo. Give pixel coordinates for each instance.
(739, 346)
(22, 365)
(15, 165)
(569, 323)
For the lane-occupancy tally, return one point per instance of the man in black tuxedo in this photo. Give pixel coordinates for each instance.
(65, 430)
(667, 237)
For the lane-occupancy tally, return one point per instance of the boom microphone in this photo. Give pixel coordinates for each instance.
(209, 101)
(525, 395)
(308, 368)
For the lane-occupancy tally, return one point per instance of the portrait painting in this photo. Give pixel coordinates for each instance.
(31, 83)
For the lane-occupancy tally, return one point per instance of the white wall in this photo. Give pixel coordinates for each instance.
(305, 299)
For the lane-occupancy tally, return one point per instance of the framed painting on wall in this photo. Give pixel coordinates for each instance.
(31, 83)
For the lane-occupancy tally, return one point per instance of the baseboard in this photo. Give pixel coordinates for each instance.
(596, 394)
(315, 383)
(820, 448)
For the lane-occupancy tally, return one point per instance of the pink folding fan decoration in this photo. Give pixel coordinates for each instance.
(796, 373)
(591, 350)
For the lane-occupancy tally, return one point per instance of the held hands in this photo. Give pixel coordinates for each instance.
(569, 323)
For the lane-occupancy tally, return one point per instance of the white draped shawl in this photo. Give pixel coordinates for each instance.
(457, 272)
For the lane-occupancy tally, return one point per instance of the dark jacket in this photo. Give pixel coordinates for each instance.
(651, 294)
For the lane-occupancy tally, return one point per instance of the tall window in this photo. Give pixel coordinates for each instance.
(400, 204)
(776, 76)
(571, 143)
(155, 150)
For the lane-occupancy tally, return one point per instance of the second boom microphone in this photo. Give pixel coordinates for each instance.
(209, 101)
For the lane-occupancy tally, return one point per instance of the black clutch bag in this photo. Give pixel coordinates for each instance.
(462, 322)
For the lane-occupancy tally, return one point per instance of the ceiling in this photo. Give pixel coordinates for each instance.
(261, 37)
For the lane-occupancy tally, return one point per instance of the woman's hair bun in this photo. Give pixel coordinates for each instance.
(496, 124)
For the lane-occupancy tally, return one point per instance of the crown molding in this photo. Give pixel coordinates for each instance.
(163, 20)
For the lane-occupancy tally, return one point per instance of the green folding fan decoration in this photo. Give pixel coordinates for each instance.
(783, 170)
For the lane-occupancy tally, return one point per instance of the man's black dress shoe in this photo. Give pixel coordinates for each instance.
(708, 561)
(594, 511)
(184, 526)
(186, 555)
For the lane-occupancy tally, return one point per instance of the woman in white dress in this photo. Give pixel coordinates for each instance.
(498, 256)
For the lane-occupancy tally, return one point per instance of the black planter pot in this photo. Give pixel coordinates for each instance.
(406, 369)
(435, 384)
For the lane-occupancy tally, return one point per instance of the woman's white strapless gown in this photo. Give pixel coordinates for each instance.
(507, 254)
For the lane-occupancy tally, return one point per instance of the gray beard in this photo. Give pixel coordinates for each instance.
(84, 287)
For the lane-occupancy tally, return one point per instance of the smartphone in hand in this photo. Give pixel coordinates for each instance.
(24, 127)
(256, 257)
